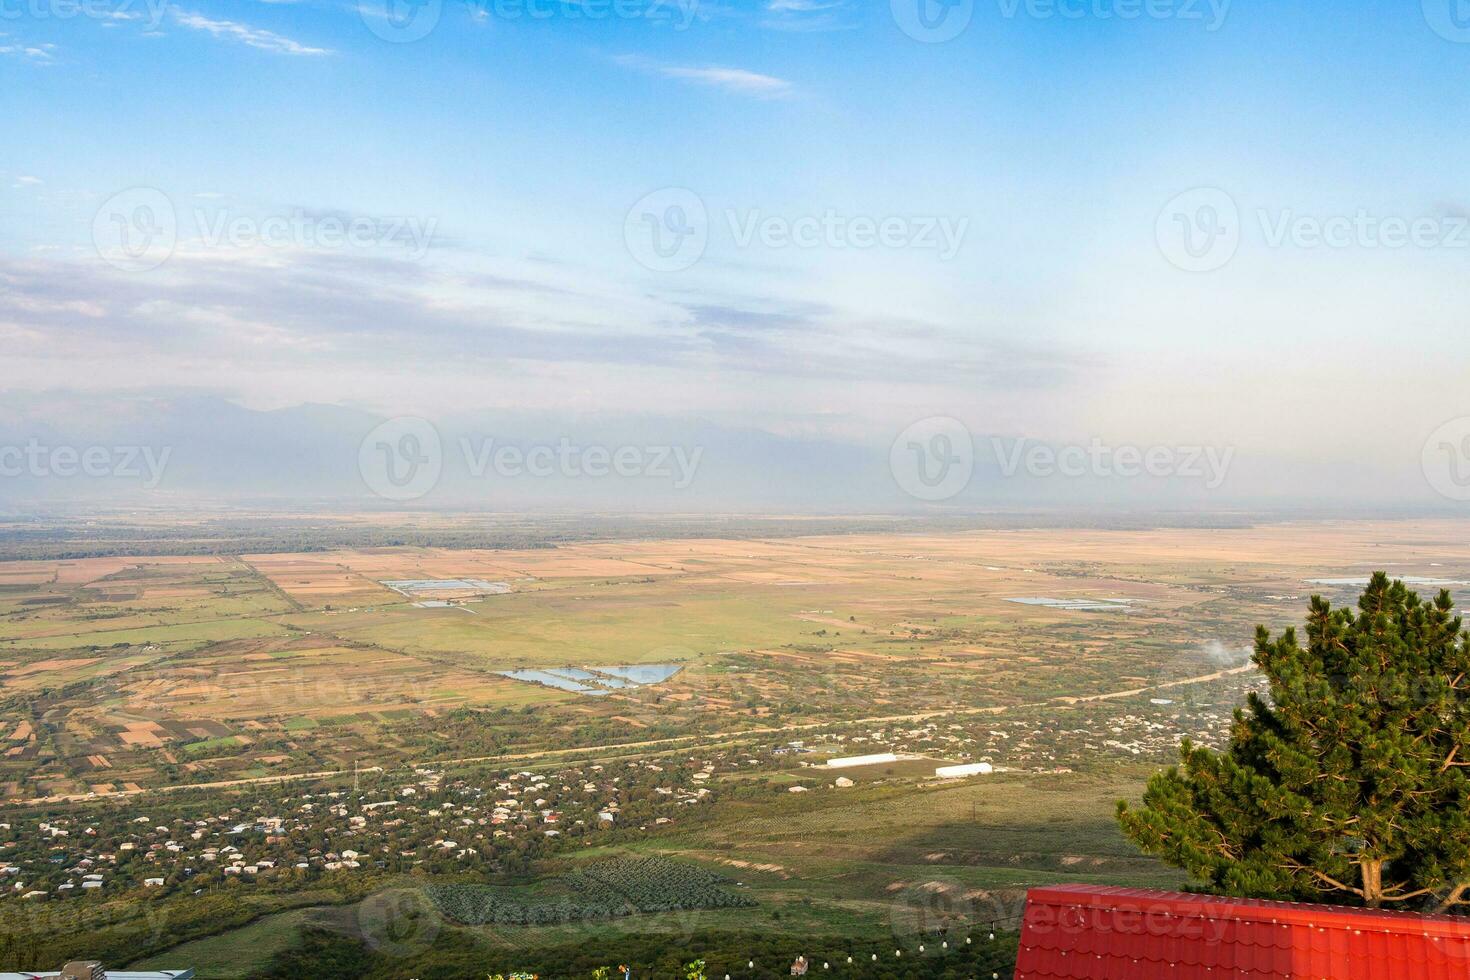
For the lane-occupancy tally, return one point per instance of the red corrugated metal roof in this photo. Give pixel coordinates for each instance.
(1079, 932)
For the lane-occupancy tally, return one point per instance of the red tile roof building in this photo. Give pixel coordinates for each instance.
(1076, 932)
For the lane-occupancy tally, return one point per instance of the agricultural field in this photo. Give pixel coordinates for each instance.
(124, 673)
(600, 890)
(895, 863)
(621, 744)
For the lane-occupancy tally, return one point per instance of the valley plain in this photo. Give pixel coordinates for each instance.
(715, 675)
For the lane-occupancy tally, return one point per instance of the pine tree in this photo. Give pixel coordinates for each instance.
(1348, 782)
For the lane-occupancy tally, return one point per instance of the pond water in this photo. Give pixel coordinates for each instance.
(552, 680)
(642, 673)
(1088, 604)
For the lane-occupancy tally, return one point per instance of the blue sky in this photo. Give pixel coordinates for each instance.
(1049, 139)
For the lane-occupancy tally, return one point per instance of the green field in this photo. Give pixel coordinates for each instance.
(218, 678)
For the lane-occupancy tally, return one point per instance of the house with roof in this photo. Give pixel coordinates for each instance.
(1082, 932)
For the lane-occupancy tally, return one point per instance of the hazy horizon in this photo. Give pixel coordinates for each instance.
(839, 257)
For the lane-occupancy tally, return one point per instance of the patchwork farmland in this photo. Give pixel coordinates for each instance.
(127, 673)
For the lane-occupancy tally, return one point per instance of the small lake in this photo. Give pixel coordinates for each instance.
(1078, 605)
(594, 681)
(549, 679)
(642, 673)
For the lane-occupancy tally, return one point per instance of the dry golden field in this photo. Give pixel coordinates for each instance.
(118, 671)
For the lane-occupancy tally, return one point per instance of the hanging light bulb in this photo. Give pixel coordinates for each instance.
(921, 947)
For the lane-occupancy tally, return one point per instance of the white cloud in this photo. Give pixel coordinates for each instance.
(732, 80)
(37, 53)
(737, 80)
(810, 16)
(27, 180)
(251, 36)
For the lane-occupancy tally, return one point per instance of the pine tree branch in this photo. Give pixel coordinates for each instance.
(1405, 896)
(1453, 898)
(1324, 877)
